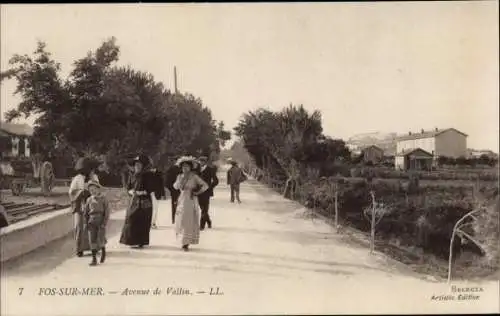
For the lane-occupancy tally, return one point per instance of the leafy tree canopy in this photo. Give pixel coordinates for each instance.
(104, 109)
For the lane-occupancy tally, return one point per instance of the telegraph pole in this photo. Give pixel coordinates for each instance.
(175, 80)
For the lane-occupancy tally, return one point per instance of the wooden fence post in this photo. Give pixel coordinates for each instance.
(336, 206)
(372, 244)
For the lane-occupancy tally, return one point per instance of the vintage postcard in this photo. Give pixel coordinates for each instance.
(249, 158)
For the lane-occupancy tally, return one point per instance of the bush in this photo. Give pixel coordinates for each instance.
(387, 173)
(487, 232)
(424, 220)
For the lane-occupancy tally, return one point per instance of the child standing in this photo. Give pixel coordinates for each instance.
(96, 215)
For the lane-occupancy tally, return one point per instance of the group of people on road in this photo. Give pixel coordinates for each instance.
(191, 183)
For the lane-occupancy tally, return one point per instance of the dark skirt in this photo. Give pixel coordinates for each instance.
(137, 226)
(80, 233)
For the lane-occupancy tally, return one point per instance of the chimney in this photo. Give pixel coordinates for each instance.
(436, 129)
(422, 130)
(409, 133)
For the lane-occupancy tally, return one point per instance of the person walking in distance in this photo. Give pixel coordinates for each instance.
(96, 214)
(235, 176)
(209, 175)
(170, 177)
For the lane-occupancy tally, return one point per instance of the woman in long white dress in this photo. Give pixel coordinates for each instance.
(187, 216)
(78, 194)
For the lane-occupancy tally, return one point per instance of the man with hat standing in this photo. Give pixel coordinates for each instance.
(235, 176)
(209, 175)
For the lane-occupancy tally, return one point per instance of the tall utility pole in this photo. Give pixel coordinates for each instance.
(175, 79)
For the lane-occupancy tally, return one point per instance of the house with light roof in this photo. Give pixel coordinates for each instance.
(448, 142)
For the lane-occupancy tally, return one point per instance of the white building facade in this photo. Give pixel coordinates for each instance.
(445, 142)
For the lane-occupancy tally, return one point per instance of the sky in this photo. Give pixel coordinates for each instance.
(368, 67)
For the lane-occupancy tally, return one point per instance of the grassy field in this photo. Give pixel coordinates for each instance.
(429, 183)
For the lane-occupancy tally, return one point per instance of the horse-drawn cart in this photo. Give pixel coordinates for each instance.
(20, 173)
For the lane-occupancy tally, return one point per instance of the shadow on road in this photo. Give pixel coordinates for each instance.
(197, 255)
(214, 263)
(300, 237)
(287, 259)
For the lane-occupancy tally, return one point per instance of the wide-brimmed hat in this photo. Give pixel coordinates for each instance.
(234, 163)
(143, 159)
(185, 159)
(93, 183)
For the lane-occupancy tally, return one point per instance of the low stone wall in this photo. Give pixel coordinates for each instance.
(28, 235)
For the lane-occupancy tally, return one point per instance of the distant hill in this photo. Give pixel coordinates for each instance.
(371, 137)
(383, 140)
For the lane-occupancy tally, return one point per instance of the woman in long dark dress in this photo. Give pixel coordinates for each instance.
(137, 225)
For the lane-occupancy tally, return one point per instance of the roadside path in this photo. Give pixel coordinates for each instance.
(263, 255)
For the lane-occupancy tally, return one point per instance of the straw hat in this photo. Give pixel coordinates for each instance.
(186, 159)
(93, 183)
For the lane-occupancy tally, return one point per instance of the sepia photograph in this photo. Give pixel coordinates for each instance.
(249, 158)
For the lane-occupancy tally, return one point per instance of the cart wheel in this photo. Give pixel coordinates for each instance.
(47, 177)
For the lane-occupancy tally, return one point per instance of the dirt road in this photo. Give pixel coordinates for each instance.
(261, 257)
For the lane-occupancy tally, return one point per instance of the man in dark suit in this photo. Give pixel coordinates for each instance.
(209, 175)
(197, 167)
(170, 177)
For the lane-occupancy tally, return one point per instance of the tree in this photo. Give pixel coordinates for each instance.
(374, 214)
(285, 139)
(102, 109)
(43, 93)
(329, 149)
(222, 135)
(91, 127)
(300, 132)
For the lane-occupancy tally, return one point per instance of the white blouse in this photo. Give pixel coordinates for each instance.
(78, 185)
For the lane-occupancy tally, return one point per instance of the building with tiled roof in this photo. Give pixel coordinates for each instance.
(448, 142)
(373, 154)
(413, 159)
